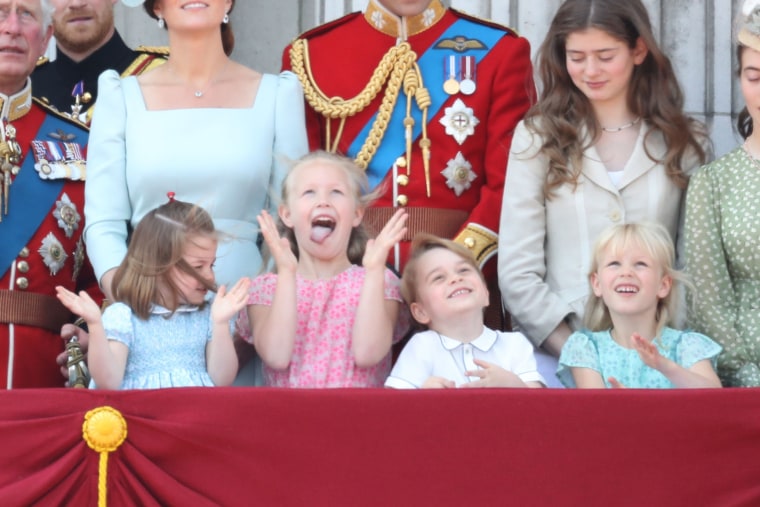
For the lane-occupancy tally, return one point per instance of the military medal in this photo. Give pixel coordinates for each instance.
(460, 121)
(55, 160)
(467, 85)
(80, 98)
(459, 174)
(10, 157)
(451, 84)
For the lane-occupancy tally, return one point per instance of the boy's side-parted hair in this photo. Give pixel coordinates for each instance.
(357, 243)
(421, 244)
(562, 112)
(156, 246)
(656, 241)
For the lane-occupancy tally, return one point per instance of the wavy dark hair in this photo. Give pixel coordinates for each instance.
(654, 93)
(228, 38)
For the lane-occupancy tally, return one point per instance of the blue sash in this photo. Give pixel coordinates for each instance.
(31, 198)
(431, 67)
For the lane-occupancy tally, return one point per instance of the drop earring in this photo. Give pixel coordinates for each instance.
(226, 18)
(161, 23)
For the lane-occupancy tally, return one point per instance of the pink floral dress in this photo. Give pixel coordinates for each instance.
(322, 354)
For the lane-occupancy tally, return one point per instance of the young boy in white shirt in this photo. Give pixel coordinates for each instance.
(446, 293)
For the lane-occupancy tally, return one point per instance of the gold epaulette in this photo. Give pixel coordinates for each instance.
(43, 103)
(42, 60)
(148, 58)
(484, 21)
(154, 50)
(479, 240)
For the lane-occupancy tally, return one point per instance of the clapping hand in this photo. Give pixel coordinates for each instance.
(227, 304)
(376, 253)
(282, 254)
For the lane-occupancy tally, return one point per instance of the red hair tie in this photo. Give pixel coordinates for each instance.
(170, 195)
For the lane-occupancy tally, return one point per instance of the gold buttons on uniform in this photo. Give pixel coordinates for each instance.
(469, 243)
(22, 266)
(401, 162)
(22, 283)
(24, 253)
(402, 180)
(402, 200)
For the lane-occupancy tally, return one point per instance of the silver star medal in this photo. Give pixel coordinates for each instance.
(459, 174)
(460, 121)
(52, 253)
(67, 215)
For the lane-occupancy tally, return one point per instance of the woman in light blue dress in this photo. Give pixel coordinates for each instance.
(214, 132)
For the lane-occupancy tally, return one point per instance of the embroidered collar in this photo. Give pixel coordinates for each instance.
(484, 342)
(17, 105)
(403, 27)
(160, 310)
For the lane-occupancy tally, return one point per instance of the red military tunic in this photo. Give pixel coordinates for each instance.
(469, 133)
(41, 243)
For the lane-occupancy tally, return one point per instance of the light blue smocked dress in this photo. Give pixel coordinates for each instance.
(600, 352)
(165, 350)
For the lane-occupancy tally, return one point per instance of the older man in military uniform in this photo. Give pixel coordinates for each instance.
(426, 99)
(87, 43)
(42, 171)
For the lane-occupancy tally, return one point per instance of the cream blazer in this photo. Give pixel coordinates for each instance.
(545, 246)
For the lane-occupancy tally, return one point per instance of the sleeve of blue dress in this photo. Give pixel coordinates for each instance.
(694, 347)
(290, 142)
(107, 208)
(578, 352)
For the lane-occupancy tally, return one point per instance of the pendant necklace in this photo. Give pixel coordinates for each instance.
(622, 127)
(200, 92)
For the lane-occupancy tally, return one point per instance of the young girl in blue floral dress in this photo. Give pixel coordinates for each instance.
(628, 342)
(161, 331)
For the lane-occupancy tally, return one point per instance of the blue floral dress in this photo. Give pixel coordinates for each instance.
(600, 352)
(165, 350)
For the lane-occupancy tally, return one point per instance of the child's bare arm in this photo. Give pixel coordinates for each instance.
(375, 316)
(221, 358)
(699, 375)
(106, 359)
(587, 378)
(274, 327)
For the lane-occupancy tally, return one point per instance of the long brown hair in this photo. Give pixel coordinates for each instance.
(654, 93)
(156, 246)
(228, 38)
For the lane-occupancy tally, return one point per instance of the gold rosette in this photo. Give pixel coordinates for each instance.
(104, 429)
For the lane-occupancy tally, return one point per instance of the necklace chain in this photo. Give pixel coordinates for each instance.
(622, 127)
(749, 154)
(200, 92)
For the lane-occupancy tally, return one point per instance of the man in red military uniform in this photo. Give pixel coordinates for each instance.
(426, 99)
(42, 171)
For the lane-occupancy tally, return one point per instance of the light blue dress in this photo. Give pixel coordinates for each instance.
(230, 161)
(600, 352)
(164, 351)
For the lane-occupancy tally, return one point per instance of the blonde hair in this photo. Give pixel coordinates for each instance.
(421, 244)
(157, 245)
(359, 183)
(656, 241)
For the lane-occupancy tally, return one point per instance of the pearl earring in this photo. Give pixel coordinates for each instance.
(161, 23)
(226, 18)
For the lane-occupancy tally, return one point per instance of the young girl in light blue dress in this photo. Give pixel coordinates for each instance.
(628, 341)
(161, 331)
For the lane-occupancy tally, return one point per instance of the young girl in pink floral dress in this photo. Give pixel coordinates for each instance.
(328, 316)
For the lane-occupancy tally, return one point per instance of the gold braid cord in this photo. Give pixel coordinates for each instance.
(392, 69)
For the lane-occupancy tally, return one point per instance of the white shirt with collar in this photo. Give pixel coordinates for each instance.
(431, 354)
